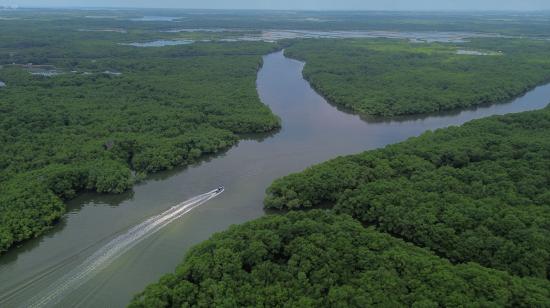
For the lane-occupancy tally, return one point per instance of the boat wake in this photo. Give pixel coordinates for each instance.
(114, 249)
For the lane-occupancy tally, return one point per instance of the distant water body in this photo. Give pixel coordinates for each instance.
(160, 43)
(277, 35)
(156, 18)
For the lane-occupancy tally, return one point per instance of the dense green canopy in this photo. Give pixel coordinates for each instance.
(480, 192)
(113, 112)
(318, 259)
(381, 77)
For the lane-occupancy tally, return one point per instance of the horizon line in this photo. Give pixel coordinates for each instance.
(77, 7)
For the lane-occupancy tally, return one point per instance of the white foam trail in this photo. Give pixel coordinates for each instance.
(114, 249)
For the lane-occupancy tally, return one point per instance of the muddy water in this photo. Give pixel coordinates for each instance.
(313, 131)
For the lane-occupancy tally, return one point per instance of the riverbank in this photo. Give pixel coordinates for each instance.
(72, 133)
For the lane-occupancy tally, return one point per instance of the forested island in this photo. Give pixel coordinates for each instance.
(387, 78)
(110, 114)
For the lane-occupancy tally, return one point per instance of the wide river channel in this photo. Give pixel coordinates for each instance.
(313, 131)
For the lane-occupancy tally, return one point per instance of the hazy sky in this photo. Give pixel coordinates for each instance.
(301, 4)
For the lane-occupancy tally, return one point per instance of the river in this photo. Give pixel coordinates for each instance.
(313, 131)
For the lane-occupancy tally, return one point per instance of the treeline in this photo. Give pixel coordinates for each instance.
(320, 259)
(507, 23)
(90, 130)
(382, 77)
(480, 192)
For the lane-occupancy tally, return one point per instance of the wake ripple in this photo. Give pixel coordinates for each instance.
(114, 249)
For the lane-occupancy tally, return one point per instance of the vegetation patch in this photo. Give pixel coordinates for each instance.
(319, 259)
(382, 77)
(480, 192)
(135, 111)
